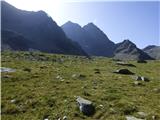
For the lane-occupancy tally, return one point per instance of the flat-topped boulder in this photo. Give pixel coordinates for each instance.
(124, 71)
(125, 64)
(85, 106)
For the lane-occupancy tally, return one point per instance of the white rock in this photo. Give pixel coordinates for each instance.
(65, 118)
(13, 101)
(142, 114)
(132, 118)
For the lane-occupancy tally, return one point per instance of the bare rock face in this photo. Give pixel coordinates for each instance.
(85, 106)
(124, 71)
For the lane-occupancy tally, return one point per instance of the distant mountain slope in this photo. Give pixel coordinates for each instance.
(153, 51)
(127, 50)
(14, 41)
(100, 43)
(91, 39)
(39, 28)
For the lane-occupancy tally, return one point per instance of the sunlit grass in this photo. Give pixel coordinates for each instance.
(40, 94)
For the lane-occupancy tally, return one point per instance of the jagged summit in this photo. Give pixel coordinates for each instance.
(71, 24)
(91, 38)
(127, 50)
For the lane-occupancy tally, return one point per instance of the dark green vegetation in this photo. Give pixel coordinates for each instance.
(46, 86)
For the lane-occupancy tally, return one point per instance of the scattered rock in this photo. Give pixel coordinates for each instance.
(46, 119)
(85, 106)
(97, 71)
(13, 101)
(74, 75)
(4, 69)
(155, 117)
(136, 83)
(27, 69)
(100, 105)
(140, 78)
(124, 71)
(6, 76)
(157, 90)
(81, 76)
(132, 118)
(142, 115)
(145, 79)
(141, 61)
(64, 118)
(125, 64)
(60, 78)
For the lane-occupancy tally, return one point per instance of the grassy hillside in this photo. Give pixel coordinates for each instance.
(46, 86)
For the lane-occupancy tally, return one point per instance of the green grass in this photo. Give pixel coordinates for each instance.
(39, 94)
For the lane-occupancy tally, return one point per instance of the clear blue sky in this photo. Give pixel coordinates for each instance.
(137, 21)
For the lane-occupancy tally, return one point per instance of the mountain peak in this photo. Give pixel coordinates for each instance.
(149, 47)
(71, 24)
(127, 42)
(91, 25)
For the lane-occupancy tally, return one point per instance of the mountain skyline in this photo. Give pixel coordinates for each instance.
(118, 20)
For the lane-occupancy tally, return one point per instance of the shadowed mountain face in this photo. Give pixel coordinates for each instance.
(37, 27)
(14, 41)
(153, 51)
(91, 39)
(127, 50)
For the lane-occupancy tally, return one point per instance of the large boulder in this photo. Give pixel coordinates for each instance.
(124, 71)
(85, 106)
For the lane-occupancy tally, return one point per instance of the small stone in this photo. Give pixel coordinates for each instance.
(100, 105)
(145, 79)
(65, 118)
(132, 118)
(59, 77)
(46, 119)
(74, 75)
(137, 83)
(142, 114)
(157, 90)
(13, 101)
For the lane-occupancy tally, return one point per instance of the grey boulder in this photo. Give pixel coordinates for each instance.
(85, 106)
(124, 71)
